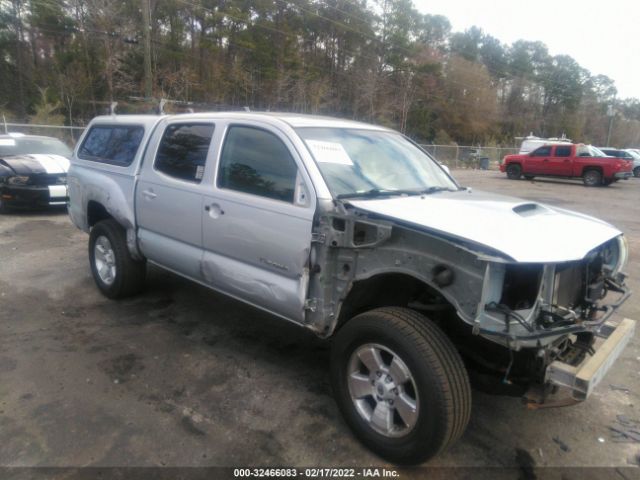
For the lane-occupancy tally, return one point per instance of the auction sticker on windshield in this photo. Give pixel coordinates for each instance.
(329, 152)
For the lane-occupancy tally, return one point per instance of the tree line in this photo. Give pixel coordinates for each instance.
(65, 61)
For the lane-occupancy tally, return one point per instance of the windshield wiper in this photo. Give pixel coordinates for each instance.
(431, 190)
(377, 192)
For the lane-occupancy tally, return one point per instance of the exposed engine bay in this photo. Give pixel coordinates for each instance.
(518, 318)
(528, 304)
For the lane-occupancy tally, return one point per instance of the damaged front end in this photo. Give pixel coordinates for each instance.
(558, 315)
(527, 324)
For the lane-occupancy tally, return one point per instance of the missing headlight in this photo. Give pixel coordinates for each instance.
(521, 285)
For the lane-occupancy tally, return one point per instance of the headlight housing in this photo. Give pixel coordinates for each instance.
(623, 255)
(18, 180)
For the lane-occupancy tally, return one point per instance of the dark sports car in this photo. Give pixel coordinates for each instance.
(33, 171)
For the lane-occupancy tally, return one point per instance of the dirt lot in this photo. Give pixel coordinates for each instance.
(181, 376)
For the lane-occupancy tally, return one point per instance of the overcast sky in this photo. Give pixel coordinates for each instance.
(602, 36)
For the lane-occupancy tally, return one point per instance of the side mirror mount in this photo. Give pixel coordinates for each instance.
(301, 195)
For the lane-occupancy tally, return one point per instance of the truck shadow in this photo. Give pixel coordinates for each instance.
(241, 341)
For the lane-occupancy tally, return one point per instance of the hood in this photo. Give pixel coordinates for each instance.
(522, 230)
(36, 164)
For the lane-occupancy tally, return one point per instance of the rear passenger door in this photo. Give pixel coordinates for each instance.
(257, 221)
(560, 162)
(169, 196)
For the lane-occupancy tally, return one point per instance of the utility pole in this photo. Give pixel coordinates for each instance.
(146, 22)
(610, 113)
(17, 11)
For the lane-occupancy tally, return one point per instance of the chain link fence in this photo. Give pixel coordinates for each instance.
(454, 156)
(469, 157)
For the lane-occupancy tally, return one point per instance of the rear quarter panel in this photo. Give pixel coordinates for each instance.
(580, 164)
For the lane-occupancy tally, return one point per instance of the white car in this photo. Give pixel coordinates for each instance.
(635, 153)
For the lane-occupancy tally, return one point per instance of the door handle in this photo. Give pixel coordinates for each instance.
(149, 194)
(214, 210)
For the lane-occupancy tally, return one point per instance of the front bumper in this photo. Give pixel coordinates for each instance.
(34, 195)
(623, 175)
(582, 379)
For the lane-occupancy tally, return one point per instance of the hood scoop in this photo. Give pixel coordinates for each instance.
(529, 209)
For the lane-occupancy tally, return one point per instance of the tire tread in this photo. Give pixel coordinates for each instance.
(446, 370)
(455, 381)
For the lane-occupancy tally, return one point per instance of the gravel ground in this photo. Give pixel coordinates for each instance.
(182, 376)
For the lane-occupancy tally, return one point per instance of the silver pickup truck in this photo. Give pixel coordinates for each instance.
(353, 231)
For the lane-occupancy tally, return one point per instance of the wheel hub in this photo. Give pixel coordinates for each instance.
(383, 390)
(104, 260)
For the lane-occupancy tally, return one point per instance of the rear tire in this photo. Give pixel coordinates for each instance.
(410, 401)
(115, 272)
(514, 171)
(592, 178)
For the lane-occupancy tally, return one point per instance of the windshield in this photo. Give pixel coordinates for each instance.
(596, 152)
(27, 146)
(614, 153)
(590, 151)
(358, 162)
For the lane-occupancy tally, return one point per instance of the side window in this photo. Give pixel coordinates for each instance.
(182, 152)
(257, 162)
(113, 144)
(541, 152)
(563, 151)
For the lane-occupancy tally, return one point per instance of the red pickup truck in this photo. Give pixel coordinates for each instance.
(567, 160)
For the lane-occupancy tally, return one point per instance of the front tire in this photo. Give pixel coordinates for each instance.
(514, 171)
(400, 384)
(636, 172)
(592, 178)
(115, 272)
